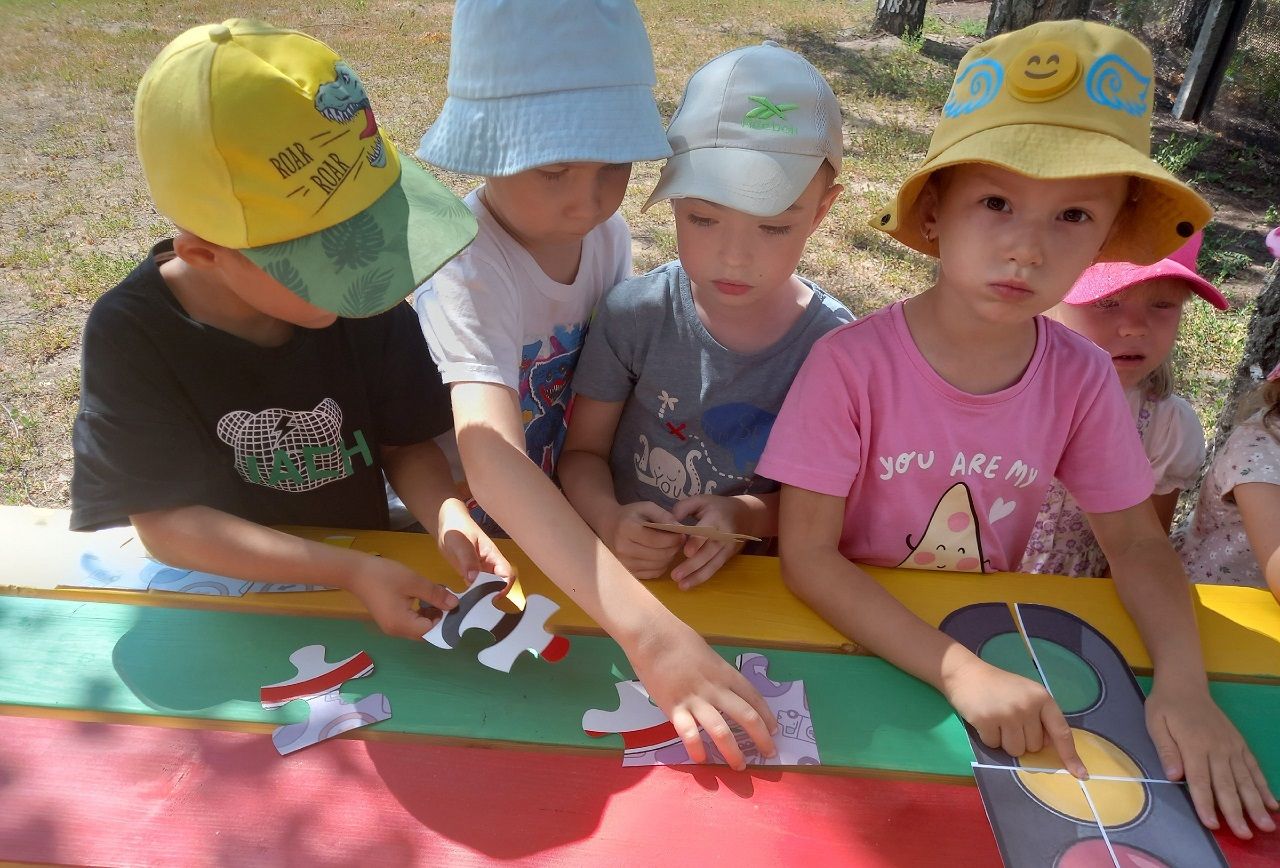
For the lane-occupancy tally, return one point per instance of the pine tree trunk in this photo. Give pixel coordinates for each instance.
(1261, 351)
(900, 16)
(1009, 15)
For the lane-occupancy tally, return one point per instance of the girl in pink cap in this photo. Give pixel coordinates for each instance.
(1132, 312)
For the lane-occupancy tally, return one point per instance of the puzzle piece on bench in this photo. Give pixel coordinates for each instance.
(513, 632)
(317, 683)
(648, 737)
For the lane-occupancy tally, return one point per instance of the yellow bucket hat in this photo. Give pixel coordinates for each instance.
(263, 140)
(1058, 99)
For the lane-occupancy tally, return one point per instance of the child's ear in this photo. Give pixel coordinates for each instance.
(926, 209)
(824, 204)
(194, 250)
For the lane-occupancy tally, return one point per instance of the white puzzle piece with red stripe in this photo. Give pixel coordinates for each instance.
(514, 632)
(317, 683)
(649, 738)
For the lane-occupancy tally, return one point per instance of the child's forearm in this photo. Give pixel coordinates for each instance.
(856, 605)
(202, 538)
(421, 477)
(758, 514)
(520, 497)
(1154, 589)
(588, 485)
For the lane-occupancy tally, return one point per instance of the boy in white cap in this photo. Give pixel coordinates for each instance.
(684, 369)
(925, 435)
(224, 387)
(550, 102)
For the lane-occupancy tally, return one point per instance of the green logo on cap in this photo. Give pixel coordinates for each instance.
(768, 115)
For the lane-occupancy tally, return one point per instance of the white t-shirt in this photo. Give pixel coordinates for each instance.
(491, 315)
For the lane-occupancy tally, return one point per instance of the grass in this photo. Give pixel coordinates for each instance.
(75, 214)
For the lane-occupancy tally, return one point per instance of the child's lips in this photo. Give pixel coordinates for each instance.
(1129, 358)
(1012, 289)
(729, 287)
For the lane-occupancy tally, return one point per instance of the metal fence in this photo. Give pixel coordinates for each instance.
(1249, 95)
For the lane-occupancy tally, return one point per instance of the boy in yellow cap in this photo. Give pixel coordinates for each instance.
(262, 367)
(925, 435)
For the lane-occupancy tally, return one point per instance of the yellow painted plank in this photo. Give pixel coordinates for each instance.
(746, 602)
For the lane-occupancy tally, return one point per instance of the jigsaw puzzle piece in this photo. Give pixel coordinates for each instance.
(513, 632)
(330, 716)
(196, 582)
(648, 737)
(315, 676)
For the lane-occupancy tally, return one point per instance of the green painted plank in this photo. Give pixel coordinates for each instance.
(206, 664)
(118, 658)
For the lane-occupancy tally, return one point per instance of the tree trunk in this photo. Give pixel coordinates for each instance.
(1261, 352)
(1186, 20)
(1009, 15)
(900, 16)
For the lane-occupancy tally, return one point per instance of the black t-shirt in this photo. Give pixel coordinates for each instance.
(177, 413)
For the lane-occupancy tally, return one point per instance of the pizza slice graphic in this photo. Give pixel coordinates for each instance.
(951, 541)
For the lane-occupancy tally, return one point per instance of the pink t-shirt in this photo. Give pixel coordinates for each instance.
(936, 478)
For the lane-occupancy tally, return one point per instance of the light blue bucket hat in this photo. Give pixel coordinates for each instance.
(534, 82)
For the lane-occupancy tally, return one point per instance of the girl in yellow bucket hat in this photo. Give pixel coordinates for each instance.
(926, 434)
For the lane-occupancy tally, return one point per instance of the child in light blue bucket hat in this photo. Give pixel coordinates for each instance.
(551, 102)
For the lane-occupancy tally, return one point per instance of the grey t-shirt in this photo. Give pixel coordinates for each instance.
(697, 415)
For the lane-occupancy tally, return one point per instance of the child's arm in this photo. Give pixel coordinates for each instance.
(1166, 505)
(1259, 505)
(203, 538)
(1194, 738)
(1008, 711)
(588, 484)
(686, 679)
(420, 474)
(751, 514)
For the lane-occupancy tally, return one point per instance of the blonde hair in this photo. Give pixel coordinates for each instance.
(1158, 384)
(1264, 397)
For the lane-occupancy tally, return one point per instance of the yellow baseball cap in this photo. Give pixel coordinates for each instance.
(263, 140)
(1058, 99)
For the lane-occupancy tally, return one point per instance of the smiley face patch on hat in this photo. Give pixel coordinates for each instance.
(1058, 100)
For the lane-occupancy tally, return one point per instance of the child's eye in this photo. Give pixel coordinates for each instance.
(698, 220)
(1075, 215)
(618, 167)
(775, 230)
(553, 175)
(1106, 303)
(996, 203)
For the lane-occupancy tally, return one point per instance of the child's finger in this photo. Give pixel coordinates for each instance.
(721, 735)
(697, 561)
(1166, 748)
(1252, 798)
(709, 569)
(1059, 732)
(461, 554)
(693, 544)
(1227, 798)
(436, 596)
(1012, 740)
(1200, 786)
(759, 723)
(686, 727)
(1260, 781)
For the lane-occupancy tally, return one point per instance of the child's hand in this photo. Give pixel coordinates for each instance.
(391, 592)
(465, 546)
(645, 552)
(694, 686)
(1195, 740)
(704, 556)
(1011, 713)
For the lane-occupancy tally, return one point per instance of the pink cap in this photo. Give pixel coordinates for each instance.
(1107, 278)
(1273, 242)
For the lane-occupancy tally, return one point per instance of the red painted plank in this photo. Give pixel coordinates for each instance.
(112, 793)
(104, 794)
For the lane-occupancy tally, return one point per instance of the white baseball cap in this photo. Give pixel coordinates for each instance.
(751, 130)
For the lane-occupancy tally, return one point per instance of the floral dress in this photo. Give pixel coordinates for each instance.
(1213, 545)
(1062, 542)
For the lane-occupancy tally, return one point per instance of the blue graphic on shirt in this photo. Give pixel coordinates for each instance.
(546, 371)
(741, 429)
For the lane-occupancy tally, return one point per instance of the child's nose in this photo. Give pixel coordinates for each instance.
(1026, 244)
(735, 249)
(1133, 323)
